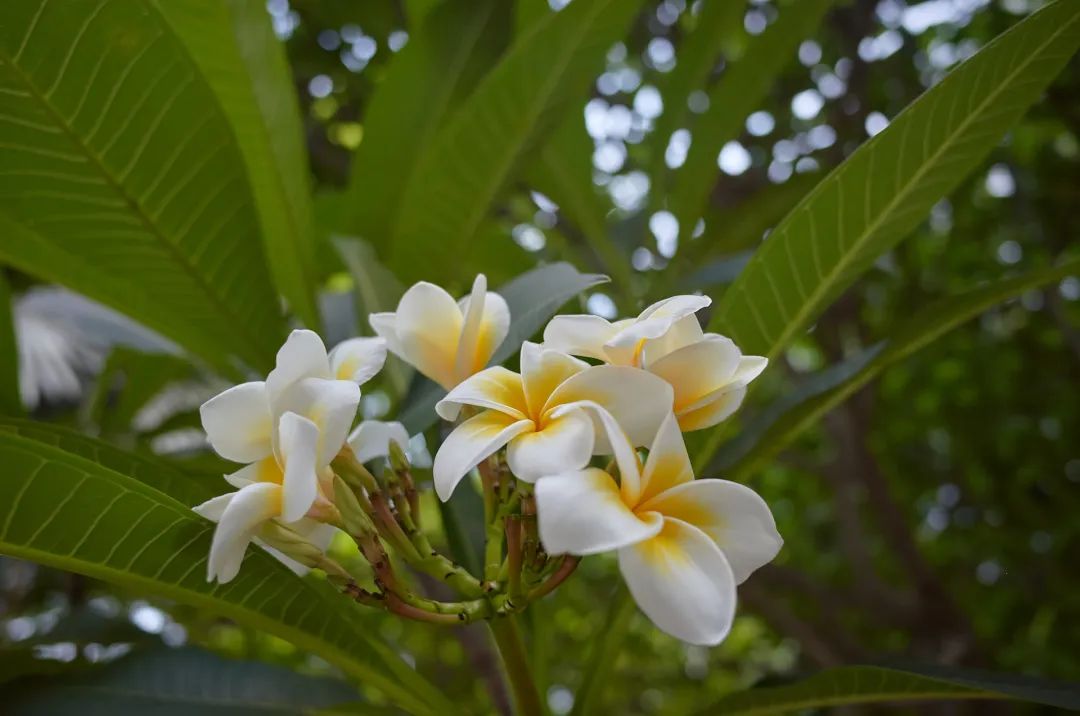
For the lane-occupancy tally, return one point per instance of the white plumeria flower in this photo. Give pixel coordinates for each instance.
(285, 487)
(542, 415)
(288, 430)
(683, 544)
(372, 438)
(444, 339)
(707, 371)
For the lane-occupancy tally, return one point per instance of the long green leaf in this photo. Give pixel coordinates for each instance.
(849, 685)
(64, 511)
(184, 486)
(122, 178)
(10, 403)
(802, 408)
(887, 186)
(175, 682)
(456, 44)
(234, 45)
(740, 91)
(473, 158)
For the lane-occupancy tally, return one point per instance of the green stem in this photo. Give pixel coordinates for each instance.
(508, 639)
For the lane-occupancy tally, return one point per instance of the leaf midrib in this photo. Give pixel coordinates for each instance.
(808, 305)
(150, 226)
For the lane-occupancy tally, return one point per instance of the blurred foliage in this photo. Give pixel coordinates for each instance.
(931, 514)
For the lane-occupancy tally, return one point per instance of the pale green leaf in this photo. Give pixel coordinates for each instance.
(64, 511)
(233, 43)
(888, 185)
(802, 408)
(455, 45)
(122, 178)
(742, 89)
(511, 112)
(850, 685)
(174, 682)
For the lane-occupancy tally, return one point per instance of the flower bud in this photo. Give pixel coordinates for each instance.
(356, 522)
(290, 544)
(399, 461)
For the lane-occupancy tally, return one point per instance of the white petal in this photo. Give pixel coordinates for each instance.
(563, 444)
(698, 369)
(639, 400)
(683, 332)
(495, 388)
(428, 328)
(302, 356)
(330, 404)
(580, 335)
(656, 320)
(682, 582)
(299, 451)
(626, 457)
(542, 371)
(750, 367)
(248, 509)
(358, 359)
(713, 408)
(487, 321)
(238, 424)
(471, 442)
(581, 513)
(371, 439)
(732, 514)
(385, 326)
(214, 508)
(265, 470)
(668, 464)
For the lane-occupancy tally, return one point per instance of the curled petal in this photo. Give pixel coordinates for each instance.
(241, 518)
(581, 335)
(639, 400)
(302, 356)
(562, 444)
(428, 325)
(214, 508)
(698, 369)
(265, 470)
(668, 464)
(733, 515)
(330, 404)
(682, 582)
(487, 321)
(495, 388)
(372, 438)
(238, 423)
(543, 370)
(469, 444)
(581, 513)
(684, 332)
(713, 408)
(299, 449)
(385, 327)
(358, 359)
(656, 320)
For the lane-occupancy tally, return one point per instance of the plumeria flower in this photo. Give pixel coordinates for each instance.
(444, 339)
(707, 371)
(683, 544)
(284, 487)
(543, 415)
(304, 355)
(371, 440)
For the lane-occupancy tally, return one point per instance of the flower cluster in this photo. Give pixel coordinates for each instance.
(535, 437)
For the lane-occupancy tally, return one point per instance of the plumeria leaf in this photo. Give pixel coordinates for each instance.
(175, 682)
(880, 193)
(62, 510)
(533, 298)
(745, 84)
(123, 178)
(790, 416)
(852, 685)
(456, 43)
(234, 45)
(485, 143)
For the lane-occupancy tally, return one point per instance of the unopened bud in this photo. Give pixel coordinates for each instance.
(399, 461)
(290, 543)
(356, 522)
